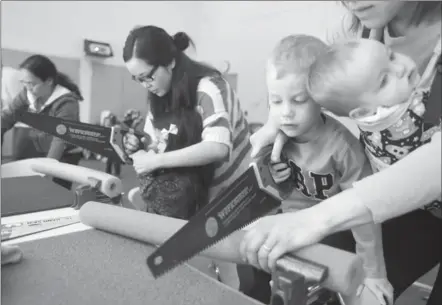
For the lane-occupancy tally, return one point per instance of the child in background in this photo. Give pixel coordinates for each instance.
(320, 155)
(382, 92)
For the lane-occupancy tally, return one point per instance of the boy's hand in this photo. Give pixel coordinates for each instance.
(280, 171)
(381, 288)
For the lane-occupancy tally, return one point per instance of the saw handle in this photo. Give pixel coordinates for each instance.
(144, 140)
(261, 164)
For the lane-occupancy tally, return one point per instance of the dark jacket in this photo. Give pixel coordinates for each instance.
(65, 104)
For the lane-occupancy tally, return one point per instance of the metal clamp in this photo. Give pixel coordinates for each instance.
(299, 282)
(91, 192)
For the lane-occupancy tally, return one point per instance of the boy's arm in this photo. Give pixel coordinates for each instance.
(354, 165)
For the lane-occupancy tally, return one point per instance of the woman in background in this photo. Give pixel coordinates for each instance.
(48, 92)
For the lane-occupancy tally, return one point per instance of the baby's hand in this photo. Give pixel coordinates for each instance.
(280, 171)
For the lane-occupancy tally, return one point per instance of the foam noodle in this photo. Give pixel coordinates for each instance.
(110, 185)
(345, 269)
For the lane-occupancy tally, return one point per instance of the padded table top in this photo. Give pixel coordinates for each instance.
(98, 268)
(21, 195)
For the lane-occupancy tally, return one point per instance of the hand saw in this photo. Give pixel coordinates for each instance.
(253, 195)
(106, 141)
(25, 228)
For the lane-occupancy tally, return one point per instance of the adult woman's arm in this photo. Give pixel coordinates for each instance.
(198, 154)
(405, 186)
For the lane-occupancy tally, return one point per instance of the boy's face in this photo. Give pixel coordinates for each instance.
(380, 77)
(290, 105)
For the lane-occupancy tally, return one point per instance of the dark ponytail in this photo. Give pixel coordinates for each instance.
(182, 41)
(64, 81)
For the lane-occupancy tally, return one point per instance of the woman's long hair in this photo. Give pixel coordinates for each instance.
(43, 68)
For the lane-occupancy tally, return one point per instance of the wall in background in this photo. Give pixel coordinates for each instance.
(69, 66)
(59, 27)
(242, 32)
(245, 32)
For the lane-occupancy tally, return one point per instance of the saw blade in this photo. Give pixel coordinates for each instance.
(89, 136)
(25, 228)
(233, 209)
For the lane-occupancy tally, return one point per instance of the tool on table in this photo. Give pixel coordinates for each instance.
(25, 228)
(343, 274)
(105, 141)
(298, 281)
(253, 195)
(94, 186)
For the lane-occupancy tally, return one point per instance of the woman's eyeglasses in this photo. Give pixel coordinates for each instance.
(147, 78)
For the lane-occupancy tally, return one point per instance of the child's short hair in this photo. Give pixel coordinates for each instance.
(295, 54)
(327, 83)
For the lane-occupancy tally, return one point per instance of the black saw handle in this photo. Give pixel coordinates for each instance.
(117, 141)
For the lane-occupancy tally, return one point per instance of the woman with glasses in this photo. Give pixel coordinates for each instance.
(199, 131)
(48, 92)
(194, 117)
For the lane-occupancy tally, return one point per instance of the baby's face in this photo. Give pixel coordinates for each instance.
(380, 77)
(290, 105)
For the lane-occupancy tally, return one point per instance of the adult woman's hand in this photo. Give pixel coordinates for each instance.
(145, 162)
(131, 143)
(272, 236)
(382, 289)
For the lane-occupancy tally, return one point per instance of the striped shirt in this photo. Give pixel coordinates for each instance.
(223, 122)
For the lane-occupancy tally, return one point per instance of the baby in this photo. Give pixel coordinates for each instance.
(382, 92)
